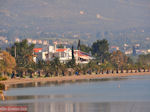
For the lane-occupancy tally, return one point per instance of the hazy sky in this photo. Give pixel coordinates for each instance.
(76, 14)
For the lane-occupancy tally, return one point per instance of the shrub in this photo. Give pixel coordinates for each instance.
(3, 78)
(2, 87)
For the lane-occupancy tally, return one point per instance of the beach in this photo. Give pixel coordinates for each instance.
(70, 78)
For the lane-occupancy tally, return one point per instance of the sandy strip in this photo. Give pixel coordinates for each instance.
(69, 78)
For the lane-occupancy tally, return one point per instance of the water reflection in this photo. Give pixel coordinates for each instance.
(86, 107)
(40, 84)
(106, 95)
(2, 88)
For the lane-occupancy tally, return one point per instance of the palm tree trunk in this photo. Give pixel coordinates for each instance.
(112, 71)
(126, 70)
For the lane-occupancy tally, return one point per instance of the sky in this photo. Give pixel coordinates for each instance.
(75, 15)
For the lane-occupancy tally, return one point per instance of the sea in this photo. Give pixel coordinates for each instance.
(124, 94)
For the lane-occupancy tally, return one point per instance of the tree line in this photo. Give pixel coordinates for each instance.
(17, 61)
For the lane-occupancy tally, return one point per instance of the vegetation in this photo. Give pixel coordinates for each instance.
(100, 49)
(85, 48)
(2, 87)
(79, 46)
(144, 59)
(3, 78)
(118, 59)
(23, 53)
(18, 62)
(7, 63)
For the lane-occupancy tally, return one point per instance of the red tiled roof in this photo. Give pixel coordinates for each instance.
(80, 53)
(36, 50)
(60, 50)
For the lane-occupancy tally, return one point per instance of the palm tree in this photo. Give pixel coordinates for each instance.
(40, 66)
(84, 69)
(148, 67)
(21, 71)
(139, 66)
(108, 67)
(103, 68)
(47, 68)
(63, 69)
(78, 69)
(55, 66)
(30, 71)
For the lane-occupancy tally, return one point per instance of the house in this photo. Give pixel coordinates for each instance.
(39, 41)
(34, 41)
(29, 40)
(37, 54)
(37, 50)
(82, 57)
(64, 55)
(17, 40)
(45, 42)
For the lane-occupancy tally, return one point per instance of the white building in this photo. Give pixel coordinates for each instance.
(29, 40)
(64, 54)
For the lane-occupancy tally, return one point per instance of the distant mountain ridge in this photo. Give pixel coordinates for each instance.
(64, 15)
(119, 21)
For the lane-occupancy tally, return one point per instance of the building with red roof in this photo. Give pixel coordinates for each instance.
(64, 54)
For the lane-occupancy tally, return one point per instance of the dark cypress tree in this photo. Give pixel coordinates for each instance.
(73, 59)
(72, 53)
(78, 47)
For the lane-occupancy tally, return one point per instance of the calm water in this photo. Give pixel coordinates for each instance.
(128, 94)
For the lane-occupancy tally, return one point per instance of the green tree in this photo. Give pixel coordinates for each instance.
(60, 46)
(55, 66)
(72, 50)
(85, 48)
(23, 53)
(78, 47)
(144, 59)
(100, 49)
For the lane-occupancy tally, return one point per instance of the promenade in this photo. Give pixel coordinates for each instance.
(69, 78)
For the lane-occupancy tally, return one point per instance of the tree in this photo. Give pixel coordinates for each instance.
(85, 48)
(73, 58)
(55, 65)
(100, 49)
(144, 59)
(72, 50)
(78, 47)
(8, 63)
(60, 46)
(118, 59)
(23, 52)
(40, 64)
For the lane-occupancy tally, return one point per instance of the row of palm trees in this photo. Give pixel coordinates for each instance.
(55, 68)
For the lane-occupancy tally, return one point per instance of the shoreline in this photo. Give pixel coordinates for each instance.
(69, 78)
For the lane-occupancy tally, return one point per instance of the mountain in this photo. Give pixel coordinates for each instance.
(74, 15)
(119, 21)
